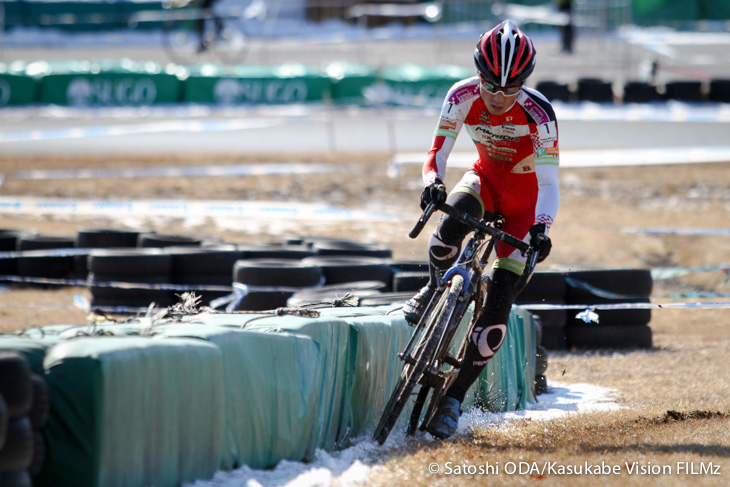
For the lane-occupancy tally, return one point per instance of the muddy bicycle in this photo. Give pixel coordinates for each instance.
(427, 358)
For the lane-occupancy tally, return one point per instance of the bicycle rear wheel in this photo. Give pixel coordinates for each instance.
(182, 41)
(231, 42)
(423, 353)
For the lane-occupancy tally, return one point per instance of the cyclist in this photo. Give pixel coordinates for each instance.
(516, 176)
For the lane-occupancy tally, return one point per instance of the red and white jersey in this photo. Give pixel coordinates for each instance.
(518, 150)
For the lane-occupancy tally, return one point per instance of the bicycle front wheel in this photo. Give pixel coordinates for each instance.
(422, 354)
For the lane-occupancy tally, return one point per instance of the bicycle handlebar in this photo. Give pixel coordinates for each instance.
(474, 223)
(479, 225)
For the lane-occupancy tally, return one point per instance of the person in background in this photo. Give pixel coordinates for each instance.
(566, 30)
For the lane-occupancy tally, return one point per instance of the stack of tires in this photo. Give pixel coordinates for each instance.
(310, 271)
(24, 407)
(616, 328)
(40, 260)
(201, 267)
(142, 269)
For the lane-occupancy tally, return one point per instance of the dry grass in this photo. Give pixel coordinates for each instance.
(674, 397)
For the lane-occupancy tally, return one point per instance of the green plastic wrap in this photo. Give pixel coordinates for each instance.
(272, 390)
(506, 382)
(378, 339)
(339, 352)
(132, 411)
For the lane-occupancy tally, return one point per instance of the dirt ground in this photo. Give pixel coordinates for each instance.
(674, 397)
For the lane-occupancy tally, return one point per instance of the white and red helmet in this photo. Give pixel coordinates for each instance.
(504, 56)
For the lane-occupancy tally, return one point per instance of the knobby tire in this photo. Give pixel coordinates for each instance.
(423, 351)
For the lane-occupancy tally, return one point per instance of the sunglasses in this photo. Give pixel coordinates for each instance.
(505, 90)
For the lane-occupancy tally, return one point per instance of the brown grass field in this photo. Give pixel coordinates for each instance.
(674, 398)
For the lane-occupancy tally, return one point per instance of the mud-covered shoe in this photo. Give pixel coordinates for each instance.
(414, 307)
(446, 420)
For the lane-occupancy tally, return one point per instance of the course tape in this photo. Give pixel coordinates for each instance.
(176, 171)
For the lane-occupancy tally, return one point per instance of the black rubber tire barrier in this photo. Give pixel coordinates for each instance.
(203, 279)
(15, 384)
(595, 90)
(264, 300)
(386, 299)
(554, 91)
(40, 406)
(39, 455)
(593, 337)
(130, 262)
(348, 269)
(408, 265)
(615, 317)
(9, 238)
(17, 452)
(541, 386)
(544, 287)
(16, 479)
(690, 91)
(159, 240)
(720, 90)
(639, 92)
(276, 251)
(331, 292)
(102, 296)
(409, 281)
(550, 318)
(277, 272)
(3, 420)
(554, 339)
(106, 238)
(334, 248)
(538, 332)
(45, 242)
(541, 361)
(193, 261)
(51, 267)
(629, 282)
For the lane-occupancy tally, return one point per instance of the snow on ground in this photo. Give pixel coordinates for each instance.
(352, 466)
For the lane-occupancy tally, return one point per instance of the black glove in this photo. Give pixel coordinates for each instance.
(541, 246)
(434, 192)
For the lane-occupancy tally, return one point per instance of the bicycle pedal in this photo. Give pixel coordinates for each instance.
(452, 361)
(406, 358)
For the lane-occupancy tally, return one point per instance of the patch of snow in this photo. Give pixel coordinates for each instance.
(353, 466)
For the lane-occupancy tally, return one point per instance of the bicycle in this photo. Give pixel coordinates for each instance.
(189, 32)
(426, 359)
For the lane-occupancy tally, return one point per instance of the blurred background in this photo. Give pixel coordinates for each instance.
(589, 50)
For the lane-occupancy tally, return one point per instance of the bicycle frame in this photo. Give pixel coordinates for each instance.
(427, 350)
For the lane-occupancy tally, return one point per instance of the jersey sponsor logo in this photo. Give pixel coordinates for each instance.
(447, 124)
(501, 157)
(537, 112)
(548, 132)
(495, 133)
(464, 93)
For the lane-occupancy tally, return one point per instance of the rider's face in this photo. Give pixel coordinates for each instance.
(498, 103)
